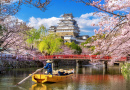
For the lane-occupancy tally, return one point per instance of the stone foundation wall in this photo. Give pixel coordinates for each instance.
(5, 64)
(68, 62)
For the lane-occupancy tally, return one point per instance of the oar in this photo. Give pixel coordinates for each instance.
(29, 76)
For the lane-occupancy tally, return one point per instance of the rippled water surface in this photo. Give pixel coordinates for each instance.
(85, 78)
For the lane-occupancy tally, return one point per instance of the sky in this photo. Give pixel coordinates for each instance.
(82, 14)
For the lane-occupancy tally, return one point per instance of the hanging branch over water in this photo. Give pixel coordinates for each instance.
(114, 26)
(11, 7)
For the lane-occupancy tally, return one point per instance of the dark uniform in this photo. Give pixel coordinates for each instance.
(49, 68)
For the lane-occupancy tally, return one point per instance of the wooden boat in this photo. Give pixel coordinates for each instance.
(42, 78)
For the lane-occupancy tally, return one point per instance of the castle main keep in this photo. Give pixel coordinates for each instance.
(68, 29)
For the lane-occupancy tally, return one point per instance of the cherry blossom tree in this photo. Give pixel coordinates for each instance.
(85, 51)
(13, 35)
(115, 25)
(66, 50)
(11, 7)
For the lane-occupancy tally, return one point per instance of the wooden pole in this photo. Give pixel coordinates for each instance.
(52, 68)
(29, 76)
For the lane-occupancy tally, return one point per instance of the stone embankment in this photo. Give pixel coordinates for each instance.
(7, 63)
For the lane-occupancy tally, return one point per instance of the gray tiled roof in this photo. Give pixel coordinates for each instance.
(67, 15)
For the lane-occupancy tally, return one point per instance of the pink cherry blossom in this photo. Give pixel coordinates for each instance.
(115, 24)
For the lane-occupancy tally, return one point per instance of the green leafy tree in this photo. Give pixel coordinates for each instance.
(50, 44)
(94, 38)
(91, 40)
(72, 45)
(125, 70)
(2, 30)
(34, 35)
(1, 33)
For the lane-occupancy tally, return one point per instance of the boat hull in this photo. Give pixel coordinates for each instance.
(42, 78)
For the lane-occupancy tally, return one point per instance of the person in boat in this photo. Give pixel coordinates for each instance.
(66, 72)
(55, 72)
(48, 67)
(71, 71)
(61, 72)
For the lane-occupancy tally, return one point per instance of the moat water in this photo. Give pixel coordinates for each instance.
(85, 78)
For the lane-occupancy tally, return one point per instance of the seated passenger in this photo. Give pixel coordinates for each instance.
(71, 71)
(55, 72)
(61, 72)
(66, 72)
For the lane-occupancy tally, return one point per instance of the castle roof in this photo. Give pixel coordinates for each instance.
(66, 15)
(52, 26)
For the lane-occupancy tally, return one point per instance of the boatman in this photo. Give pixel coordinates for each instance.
(48, 67)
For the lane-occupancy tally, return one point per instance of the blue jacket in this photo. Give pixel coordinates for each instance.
(48, 66)
(61, 73)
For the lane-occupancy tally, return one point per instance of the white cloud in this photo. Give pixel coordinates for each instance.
(47, 22)
(84, 22)
(88, 15)
(11, 19)
(85, 31)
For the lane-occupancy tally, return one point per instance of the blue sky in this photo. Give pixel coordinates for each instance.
(83, 15)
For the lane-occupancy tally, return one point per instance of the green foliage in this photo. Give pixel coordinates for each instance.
(1, 32)
(92, 48)
(91, 40)
(72, 45)
(125, 70)
(35, 34)
(50, 44)
(32, 35)
(2, 29)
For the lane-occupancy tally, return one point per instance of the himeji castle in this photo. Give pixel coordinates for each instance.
(68, 29)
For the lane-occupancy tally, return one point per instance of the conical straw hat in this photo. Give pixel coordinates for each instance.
(61, 70)
(49, 61)
(65, 71)
(69, 71)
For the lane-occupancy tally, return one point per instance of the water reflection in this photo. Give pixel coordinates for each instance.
(85, 78)
(98, 70)
(84, 82)
(39, 87)
(126, 75)
(52, 86)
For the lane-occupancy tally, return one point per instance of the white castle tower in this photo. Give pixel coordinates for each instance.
(67, 28)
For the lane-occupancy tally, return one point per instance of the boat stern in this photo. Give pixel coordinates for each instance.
(40, 78)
